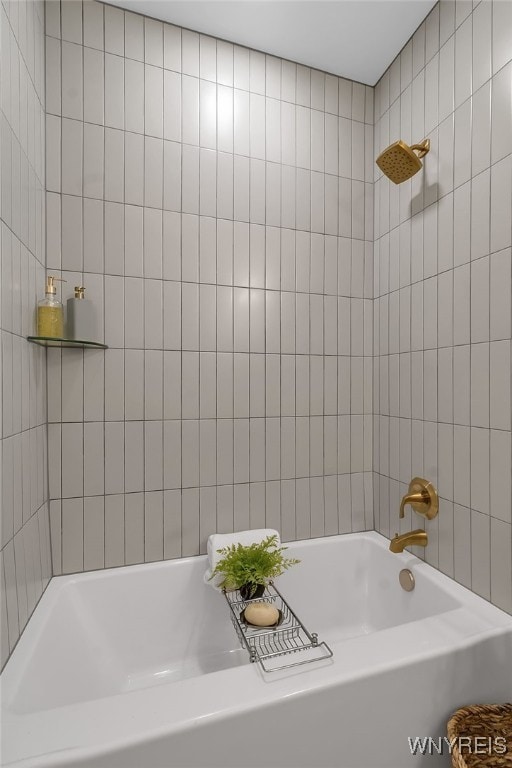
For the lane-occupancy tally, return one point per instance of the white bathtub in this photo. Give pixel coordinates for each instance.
(140, 667)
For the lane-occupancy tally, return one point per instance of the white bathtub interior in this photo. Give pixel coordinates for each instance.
(151, 624)
(142, 630)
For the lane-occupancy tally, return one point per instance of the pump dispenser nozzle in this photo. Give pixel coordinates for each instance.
(51, 288)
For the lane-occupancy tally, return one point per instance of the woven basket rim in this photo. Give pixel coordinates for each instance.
(483, 712)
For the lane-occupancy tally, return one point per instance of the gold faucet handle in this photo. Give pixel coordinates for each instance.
(413, 498)
(423, 498)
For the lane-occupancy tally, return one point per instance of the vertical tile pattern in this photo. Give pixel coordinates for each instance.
(208, 204)
(25, 559)
(442, 295)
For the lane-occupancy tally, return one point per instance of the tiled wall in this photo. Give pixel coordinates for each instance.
(217, 204)
(443, 293)
(25, 561)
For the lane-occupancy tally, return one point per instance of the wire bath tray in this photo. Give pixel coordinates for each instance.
(267, 645)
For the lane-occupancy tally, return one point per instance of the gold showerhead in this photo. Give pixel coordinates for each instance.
(399, 161)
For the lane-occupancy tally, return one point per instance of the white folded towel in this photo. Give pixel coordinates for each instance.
(218, 541)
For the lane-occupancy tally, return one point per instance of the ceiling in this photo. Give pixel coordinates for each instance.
(357, 39)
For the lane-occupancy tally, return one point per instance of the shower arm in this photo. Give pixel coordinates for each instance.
(422, 148)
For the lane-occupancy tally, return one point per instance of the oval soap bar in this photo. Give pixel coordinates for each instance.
(261, 614)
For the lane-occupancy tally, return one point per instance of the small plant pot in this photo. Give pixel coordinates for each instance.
(246, 589)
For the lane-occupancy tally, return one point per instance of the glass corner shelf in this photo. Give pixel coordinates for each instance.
(48, 341)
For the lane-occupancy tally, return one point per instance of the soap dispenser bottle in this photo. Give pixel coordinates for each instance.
(50, 312)
(81, 324)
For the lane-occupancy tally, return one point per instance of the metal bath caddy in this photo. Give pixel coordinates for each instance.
(288, 638)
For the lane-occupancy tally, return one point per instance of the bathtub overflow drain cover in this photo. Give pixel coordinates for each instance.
(406, 579)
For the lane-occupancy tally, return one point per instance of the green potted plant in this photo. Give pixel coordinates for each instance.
(250, 568)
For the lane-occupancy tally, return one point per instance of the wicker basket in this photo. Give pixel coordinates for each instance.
(484, 720)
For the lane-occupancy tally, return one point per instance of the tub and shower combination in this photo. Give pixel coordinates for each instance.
(141, 667)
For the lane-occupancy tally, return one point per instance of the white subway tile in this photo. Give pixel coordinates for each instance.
(241, 188)
(94, 386)
(153, 384)
(225, 180)
(190, 522)
(153, 455)
(500, 371)
(172, 47)
(190, 453)
(134, 97)
(207, 516)
(480, 470)
(190, 179)
(72, 535)
(344, 98)
(207, 313)
(134, 528)
(480, 194)
(481, 129)
(463, 61)
(501, 35)
(207, 452)
(207, 183)
(257, 321)
(153, 325)
(501, 204)
(133, 239)
(53, 76)
(500, 484)
(190, 385)
(208, 114)
(153, 173)
(172, 454)
(190, 110)
(224, 63)
(190, 248)
(480, 554)
(114, 531)
(114, 30)
(94, 533)
(114, 165)
(71, 233)
(241, 122)
(226, 298)
(70, 22)
(72, 460)
(114, 91)
(94, 461)
(134, 169)
(501, 114)
(500, 298)
(153, 42)
(172, 106)
(171, 246)
(480, 385)
(461, 465)
(256, 71)
(501, 565)
(134, 36)
(461, 384)
(461, 305)
(72, 139)
(114, 238)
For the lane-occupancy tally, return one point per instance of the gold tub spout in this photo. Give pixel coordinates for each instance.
(413, 538)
